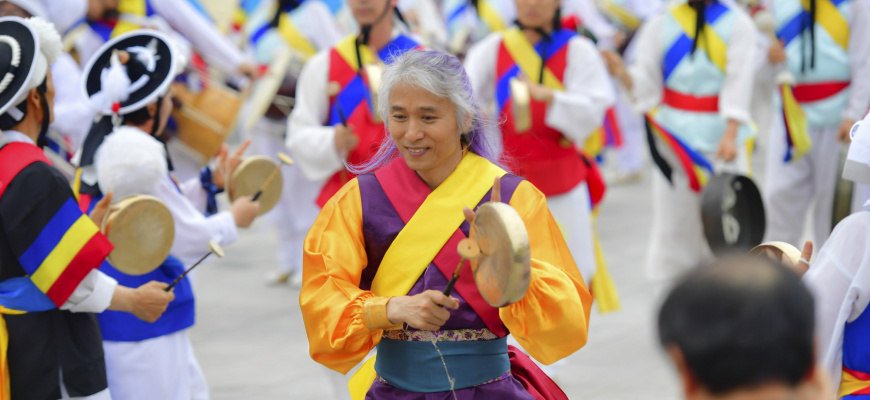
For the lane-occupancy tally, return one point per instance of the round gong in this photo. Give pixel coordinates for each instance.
(503, 269)
(732, 212)
(142, 230)
(777, 250)
(253, 173)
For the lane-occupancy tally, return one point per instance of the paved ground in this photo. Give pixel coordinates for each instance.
(251, 343)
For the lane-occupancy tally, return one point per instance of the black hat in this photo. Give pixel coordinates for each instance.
(149, 72)
(18, 49)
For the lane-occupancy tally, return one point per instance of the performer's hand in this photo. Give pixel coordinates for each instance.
(537, 91)
(776, 52)
(249, 70)
(227, 164)
(803, 265)
(345, 138)
(616, 67)
(147, 302)
(845, 130)
(425, 311)
(244, 211)
(100, 210)
(495, 197)
(727, 150)
(619, 39)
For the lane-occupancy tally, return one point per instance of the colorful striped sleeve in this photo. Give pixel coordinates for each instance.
(55, 244)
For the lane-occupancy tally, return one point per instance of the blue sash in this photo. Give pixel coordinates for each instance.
(125, 327)
(416, 366)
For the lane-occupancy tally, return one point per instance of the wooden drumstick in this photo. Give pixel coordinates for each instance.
(284, 159)
(213, 248)
(468, 250)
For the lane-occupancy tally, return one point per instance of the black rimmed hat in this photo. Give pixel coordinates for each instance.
(151, 69)
(18, 49)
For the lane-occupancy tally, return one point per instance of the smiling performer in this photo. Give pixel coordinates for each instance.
(383, 248)
(333, 120)
(569, 96)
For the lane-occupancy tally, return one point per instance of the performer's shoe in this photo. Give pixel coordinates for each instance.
(278, 278)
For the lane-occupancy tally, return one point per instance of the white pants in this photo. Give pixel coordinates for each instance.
(160, 368)
(572, 211)
(792, 187)
(296, 210)
(629, 157)
(678, 243)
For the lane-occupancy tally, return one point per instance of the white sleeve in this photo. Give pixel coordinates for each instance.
(646, 71)
(859, 62)
(645, 8)
(579, 110)
(93, 294)
(73, 114)
(840, 282)
(202, 33)
(480, 67)
(193, 230)
(739, 70)
(319, 25)
(193, 190)
(311, 144)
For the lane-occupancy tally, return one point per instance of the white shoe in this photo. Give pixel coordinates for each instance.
(278, 278)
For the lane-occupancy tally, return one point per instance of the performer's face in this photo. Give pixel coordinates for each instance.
(537, 13)
(366, 12)
(8, 9)
(425, 130)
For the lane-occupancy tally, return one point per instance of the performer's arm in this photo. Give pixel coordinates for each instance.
(480, 67)
(93, 294)
(192, 229)
(552, 320)
(740, 71)
(202, 33)
(311, 144)
(332, 302)
(840, 282)
(859, 62)
(646, 71)
(579, 110)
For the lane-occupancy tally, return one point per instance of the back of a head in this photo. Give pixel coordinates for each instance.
(741, 323)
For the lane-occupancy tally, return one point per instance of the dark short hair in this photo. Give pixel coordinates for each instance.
(741, 322)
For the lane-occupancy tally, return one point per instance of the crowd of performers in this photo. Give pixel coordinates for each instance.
(402, 117)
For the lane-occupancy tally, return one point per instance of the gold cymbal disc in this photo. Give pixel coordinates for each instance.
(253, 173)
(503, 270)
(142, 230)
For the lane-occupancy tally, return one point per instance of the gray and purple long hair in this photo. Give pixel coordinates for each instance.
(444, 76)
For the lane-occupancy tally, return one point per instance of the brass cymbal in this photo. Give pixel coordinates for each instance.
(503, 269)
(142, 230)
(253, 173)
(779, 249)
(521, 100)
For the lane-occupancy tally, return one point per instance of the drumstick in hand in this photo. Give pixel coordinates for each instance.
(284, 159)
(468, 250)
(213, 248)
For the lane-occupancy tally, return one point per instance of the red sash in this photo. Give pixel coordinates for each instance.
(16, 156)
(406, 192)
(810, 92)
(688, 102)
(542, 157)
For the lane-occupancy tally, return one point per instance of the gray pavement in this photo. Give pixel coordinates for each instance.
(251, 343)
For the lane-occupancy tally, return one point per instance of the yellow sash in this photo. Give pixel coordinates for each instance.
(129, 7)
(293, 37)
(829, 17)
(620, 14)
(850, 384)
(346, 48)
(710, 43)
(5, 394)
(490, 16)
(528, 59)
(423, 237)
